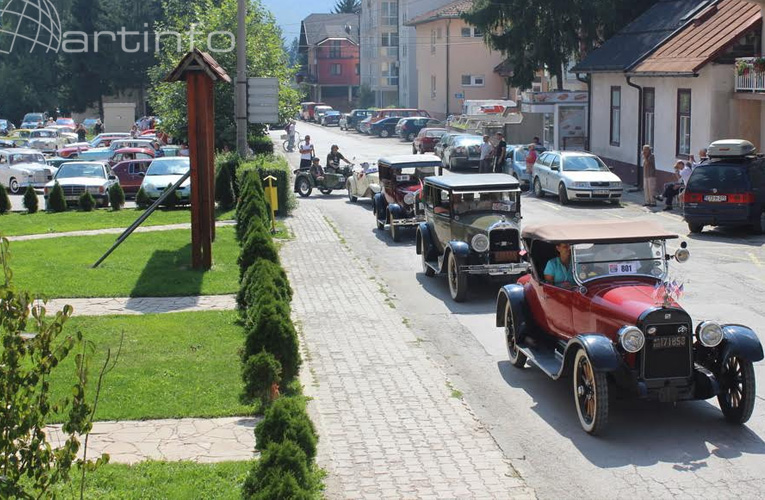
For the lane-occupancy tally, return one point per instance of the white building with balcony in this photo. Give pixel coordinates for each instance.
(669, 79)
(379, 42)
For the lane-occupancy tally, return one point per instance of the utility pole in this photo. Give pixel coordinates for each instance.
(241, 79)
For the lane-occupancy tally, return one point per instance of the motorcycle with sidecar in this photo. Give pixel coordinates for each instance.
(326, 179)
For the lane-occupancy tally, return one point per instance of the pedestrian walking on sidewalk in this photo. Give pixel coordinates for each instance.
(487, 155)
(649, 177)
(499, 153)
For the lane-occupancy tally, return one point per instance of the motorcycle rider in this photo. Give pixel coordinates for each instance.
(316, 171)
(334, 157)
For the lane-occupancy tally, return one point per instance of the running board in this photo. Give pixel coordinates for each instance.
(548, 360)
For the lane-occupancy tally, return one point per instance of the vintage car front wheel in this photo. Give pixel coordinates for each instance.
(395, 231)
(426, 269)
(590, 394)
(13, 186)
(517, 358)
(737, 388)
(351, 197)
(457, 280)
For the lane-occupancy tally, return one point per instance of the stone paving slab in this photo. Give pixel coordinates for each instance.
(389, 425)
(195, 439)
(112, 230)
(144, 305)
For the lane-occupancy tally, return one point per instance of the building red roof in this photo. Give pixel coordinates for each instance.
(449, 11)
(712, 31)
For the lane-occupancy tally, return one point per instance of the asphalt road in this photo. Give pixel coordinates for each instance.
(650, 449)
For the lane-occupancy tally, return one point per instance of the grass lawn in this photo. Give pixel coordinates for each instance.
(161, 480)
(17, 224)
(145, 265)
(171, 365)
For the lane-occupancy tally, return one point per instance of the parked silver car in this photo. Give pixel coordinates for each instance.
(575, 176)
(22, 167)
(76, 177)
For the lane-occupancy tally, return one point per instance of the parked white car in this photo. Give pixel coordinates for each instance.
(575, 176)
(76, 177)
(47, 140)
(22, 167)
(164, 171)
(364, 183)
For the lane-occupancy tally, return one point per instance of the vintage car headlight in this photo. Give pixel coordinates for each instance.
(710, 333)
(631, 338)
(409, 198)
(581, 184)
(480, 243)
(616, 184)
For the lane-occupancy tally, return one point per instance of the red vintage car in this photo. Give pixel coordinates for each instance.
(72, 150)
(131, 174)
(599, 305)
(426, 140)
(400, 183)
(124, 154)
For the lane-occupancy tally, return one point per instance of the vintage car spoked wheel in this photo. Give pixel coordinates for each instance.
(517, 358)
(457, 280)
(590, 394)
(538, 188)
(562, 194)
(304, 188)
(395, 231)
(13, 186)
(325, 191)
(429, 272)
(736, 396)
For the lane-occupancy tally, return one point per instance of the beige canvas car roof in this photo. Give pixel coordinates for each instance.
(597, 232)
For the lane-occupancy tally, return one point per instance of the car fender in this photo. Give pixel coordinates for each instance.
(741, 341)
(395, 210)
(600, 350)
(351, 184)
(379, 206)
(424, 240)
(513, 294)
(461, 251)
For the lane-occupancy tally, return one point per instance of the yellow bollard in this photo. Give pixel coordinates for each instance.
(273, 199)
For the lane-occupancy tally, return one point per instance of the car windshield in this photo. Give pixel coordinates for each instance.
(26, 158)
(412, 175)
(583, 164)
(485, 201)
(609, 260)
(721, 177)
(68, 170)
(169, 167)
(33, 117)
(43, 133)
(435, 133)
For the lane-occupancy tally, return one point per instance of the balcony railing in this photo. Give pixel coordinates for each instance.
(750, 74)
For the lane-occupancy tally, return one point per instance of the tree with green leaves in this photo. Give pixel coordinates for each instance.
(548, 34)
(347, 7)
(266, 57)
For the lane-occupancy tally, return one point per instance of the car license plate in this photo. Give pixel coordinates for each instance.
(716, 197)
(600, 192)
(669, 342)
(71, 198)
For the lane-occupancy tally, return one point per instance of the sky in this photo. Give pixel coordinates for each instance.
(289, 13)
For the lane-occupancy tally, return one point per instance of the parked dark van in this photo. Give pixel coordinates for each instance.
(728, 189)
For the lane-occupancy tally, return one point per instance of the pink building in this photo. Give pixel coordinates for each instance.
(330, 43)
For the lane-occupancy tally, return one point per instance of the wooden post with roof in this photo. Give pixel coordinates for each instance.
(200, 71)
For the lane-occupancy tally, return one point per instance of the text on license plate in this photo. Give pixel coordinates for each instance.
(600, 191)
(669, 342)
(715, 197)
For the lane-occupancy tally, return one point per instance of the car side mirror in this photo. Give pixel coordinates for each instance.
(142, 174)
(554, 167)
(112, 177)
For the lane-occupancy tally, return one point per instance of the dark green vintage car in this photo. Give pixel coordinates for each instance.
(472, 227)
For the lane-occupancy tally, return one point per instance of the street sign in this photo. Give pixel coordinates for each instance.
(459, 95)
(262, 100)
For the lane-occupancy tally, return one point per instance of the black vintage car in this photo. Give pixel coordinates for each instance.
(400, 182)
(471, 227)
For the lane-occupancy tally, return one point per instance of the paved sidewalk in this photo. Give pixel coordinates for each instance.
(144, 305)
(388, 423)
(195, 439)
(113, 230)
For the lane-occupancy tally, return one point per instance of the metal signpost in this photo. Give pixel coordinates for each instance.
(263, 100)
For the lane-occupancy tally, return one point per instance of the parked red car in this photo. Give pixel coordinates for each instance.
(426, 140)
(599, 306)
(123, 154)
(129, 172)
(72, 151)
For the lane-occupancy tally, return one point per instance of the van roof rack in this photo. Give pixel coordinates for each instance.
(731, 148)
